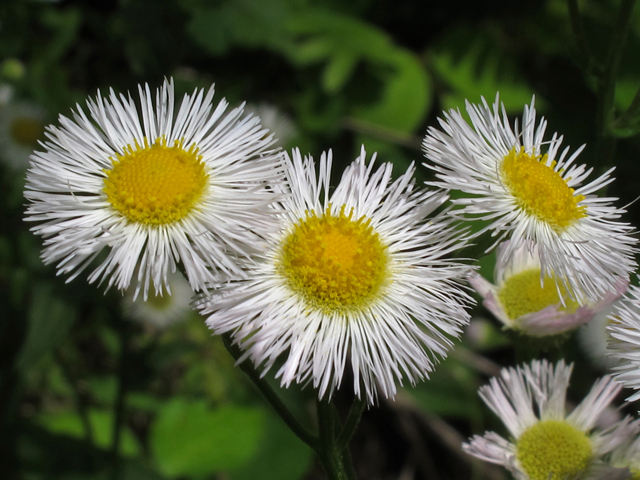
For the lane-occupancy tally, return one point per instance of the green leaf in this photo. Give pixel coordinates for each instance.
(70, 424)
(188, 438)
(49, 319)
(406, 96)
(281, 455)
(478, 70)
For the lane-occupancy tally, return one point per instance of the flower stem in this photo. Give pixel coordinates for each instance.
(330, 454)
(271, 396)
(351, 423)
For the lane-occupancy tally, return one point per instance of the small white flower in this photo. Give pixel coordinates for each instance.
(156, 186)
(546, 443)
(523, 301)
(22, 124)
(161, 309)
(358, 279)
(274, 120)
(528, 195)
(624, 328)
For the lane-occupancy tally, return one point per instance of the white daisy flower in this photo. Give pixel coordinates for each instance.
(527, 194)
(358, 279)
(161, 309)
(157, 187)
(624, 347)
(546, 443)
(523, 301)
(22, 125)
(275, 120)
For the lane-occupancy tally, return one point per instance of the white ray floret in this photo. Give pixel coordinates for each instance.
(357, 279)
(546, 442)
(624, 346)
(529, 189)
(523, 303)
(156, 185)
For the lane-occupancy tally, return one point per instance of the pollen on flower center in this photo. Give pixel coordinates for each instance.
(540, 190)
(156, 184)
(522, 293)
(553, 450)
(335, 263)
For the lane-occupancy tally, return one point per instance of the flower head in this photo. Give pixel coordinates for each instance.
(156, 187)
(529, 190)
(22, 125)
(161, 309)
(624, 328)
(547, 444)
(358, 279)
(532, 305)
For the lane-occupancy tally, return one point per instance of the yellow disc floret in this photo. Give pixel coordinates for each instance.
(540, 190)
(522, 293)
(553, 450)
(335, 263)
(156, 184)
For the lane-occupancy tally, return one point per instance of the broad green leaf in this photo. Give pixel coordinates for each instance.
(189, 438)
(70, 424)
(406, 96)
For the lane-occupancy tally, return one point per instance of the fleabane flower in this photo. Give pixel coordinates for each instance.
(355, 279)
(525, 301)
(159, 185)
(545, 443)
(22, 124)
(624, 344)
(161, 309)
(530, 190)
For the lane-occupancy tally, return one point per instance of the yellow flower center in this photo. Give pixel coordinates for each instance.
(156, 184)
(522, 293)
(635, 474)
(335, 263)
(553, 450)
(540, 191)
(26, 131)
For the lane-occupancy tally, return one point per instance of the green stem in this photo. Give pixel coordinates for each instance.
(330, 454)
(351, 423)
(583, 51)
(81, 404)
(271, 396)
(118, 416)
(606, 92)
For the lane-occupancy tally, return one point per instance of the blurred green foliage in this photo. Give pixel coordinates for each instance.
(86, 393)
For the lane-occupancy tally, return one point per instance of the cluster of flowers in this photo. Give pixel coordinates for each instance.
(361, 277)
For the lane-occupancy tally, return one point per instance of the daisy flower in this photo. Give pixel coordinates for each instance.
(22, 124)
(523, 301)
(546, 443)
(624, 346)
(358, 279)
(528, 194)
(161, 309)
(157, 185)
